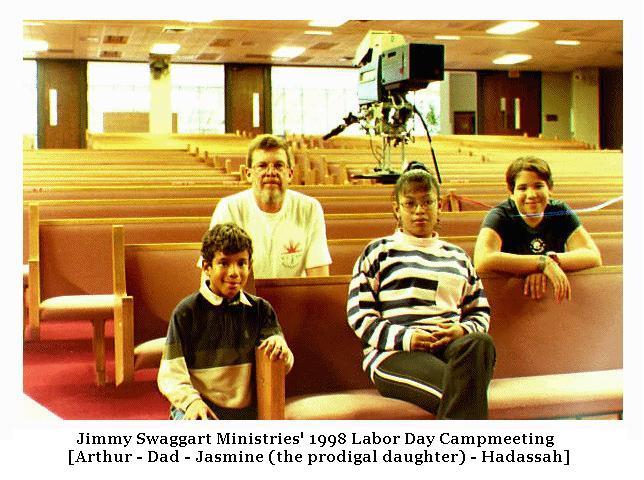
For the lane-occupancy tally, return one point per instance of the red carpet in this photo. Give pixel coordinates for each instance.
(58, 373)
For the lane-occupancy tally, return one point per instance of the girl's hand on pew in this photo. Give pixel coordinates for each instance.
(535, 285)
(559, 280)
(198, 410)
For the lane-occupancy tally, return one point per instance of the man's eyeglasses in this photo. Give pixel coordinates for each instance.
(262, 167)
(412, 205)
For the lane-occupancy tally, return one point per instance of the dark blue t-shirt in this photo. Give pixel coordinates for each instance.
(518, 237)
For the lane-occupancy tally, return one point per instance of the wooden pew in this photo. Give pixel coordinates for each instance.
(75, 243)
(51, 192)
(537, 375)
(144, 141)
(69, 274)
(70, 257)
(451, 223)
(144, 304)
(345, 252)
(482, 201)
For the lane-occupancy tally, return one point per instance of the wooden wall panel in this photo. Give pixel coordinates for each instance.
(611, 108)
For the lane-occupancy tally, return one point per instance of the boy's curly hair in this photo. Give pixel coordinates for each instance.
(227, 238)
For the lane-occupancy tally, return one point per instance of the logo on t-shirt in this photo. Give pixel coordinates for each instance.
(537, 245)
(291, 254)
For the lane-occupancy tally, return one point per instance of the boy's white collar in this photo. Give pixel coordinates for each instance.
(215, 299)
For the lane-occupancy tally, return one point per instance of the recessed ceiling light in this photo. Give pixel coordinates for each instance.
(35, 46)
(447, 37)
(318, 32)
(326, 23)
(512, 58)
(568, 42)
(510, 28)
(288, 52)
(165, 48)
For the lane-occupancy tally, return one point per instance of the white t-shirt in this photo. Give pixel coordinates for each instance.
(284, 243)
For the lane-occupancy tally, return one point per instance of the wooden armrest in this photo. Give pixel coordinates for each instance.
(34, 300)
(123, 340)
(270, 379)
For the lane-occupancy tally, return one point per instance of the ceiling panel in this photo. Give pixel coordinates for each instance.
(253, 41)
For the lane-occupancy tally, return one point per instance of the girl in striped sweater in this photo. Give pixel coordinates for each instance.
(420, 311)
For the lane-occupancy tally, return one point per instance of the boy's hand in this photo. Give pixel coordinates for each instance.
(275, 348)
(198, 410)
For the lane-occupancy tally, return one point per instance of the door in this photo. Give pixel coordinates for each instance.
(509, 103)
(62, 103)
(248, 99)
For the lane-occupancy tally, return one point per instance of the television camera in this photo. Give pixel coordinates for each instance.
(389, 69)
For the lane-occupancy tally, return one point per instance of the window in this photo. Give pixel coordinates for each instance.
(198, 98)
(197, 95)
(116, 87)
(313, 100)
(428, 103)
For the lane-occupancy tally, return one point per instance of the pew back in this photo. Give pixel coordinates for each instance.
(75, 253)
(532, 337)
(75, 256)
(345, 252)
(157, 277)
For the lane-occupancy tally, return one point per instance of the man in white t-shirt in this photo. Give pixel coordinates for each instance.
(287, 227)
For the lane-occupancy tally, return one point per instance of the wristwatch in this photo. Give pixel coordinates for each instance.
(554, 256)
(543, 260)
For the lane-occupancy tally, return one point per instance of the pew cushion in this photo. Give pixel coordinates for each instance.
(364, 404)
(78, 307)
(560, 395)
(519, 398)
(148, 354)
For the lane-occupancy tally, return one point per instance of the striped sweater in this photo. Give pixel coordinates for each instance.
(402, 283)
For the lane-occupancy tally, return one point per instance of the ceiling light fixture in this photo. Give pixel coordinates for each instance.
(318, 32)
(288, 52)
(447, 37)
(568, 42)
(165, 48)
(512, 58)
(512, 27)
(326, 23)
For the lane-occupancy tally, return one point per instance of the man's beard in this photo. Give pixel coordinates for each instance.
(271, 196)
